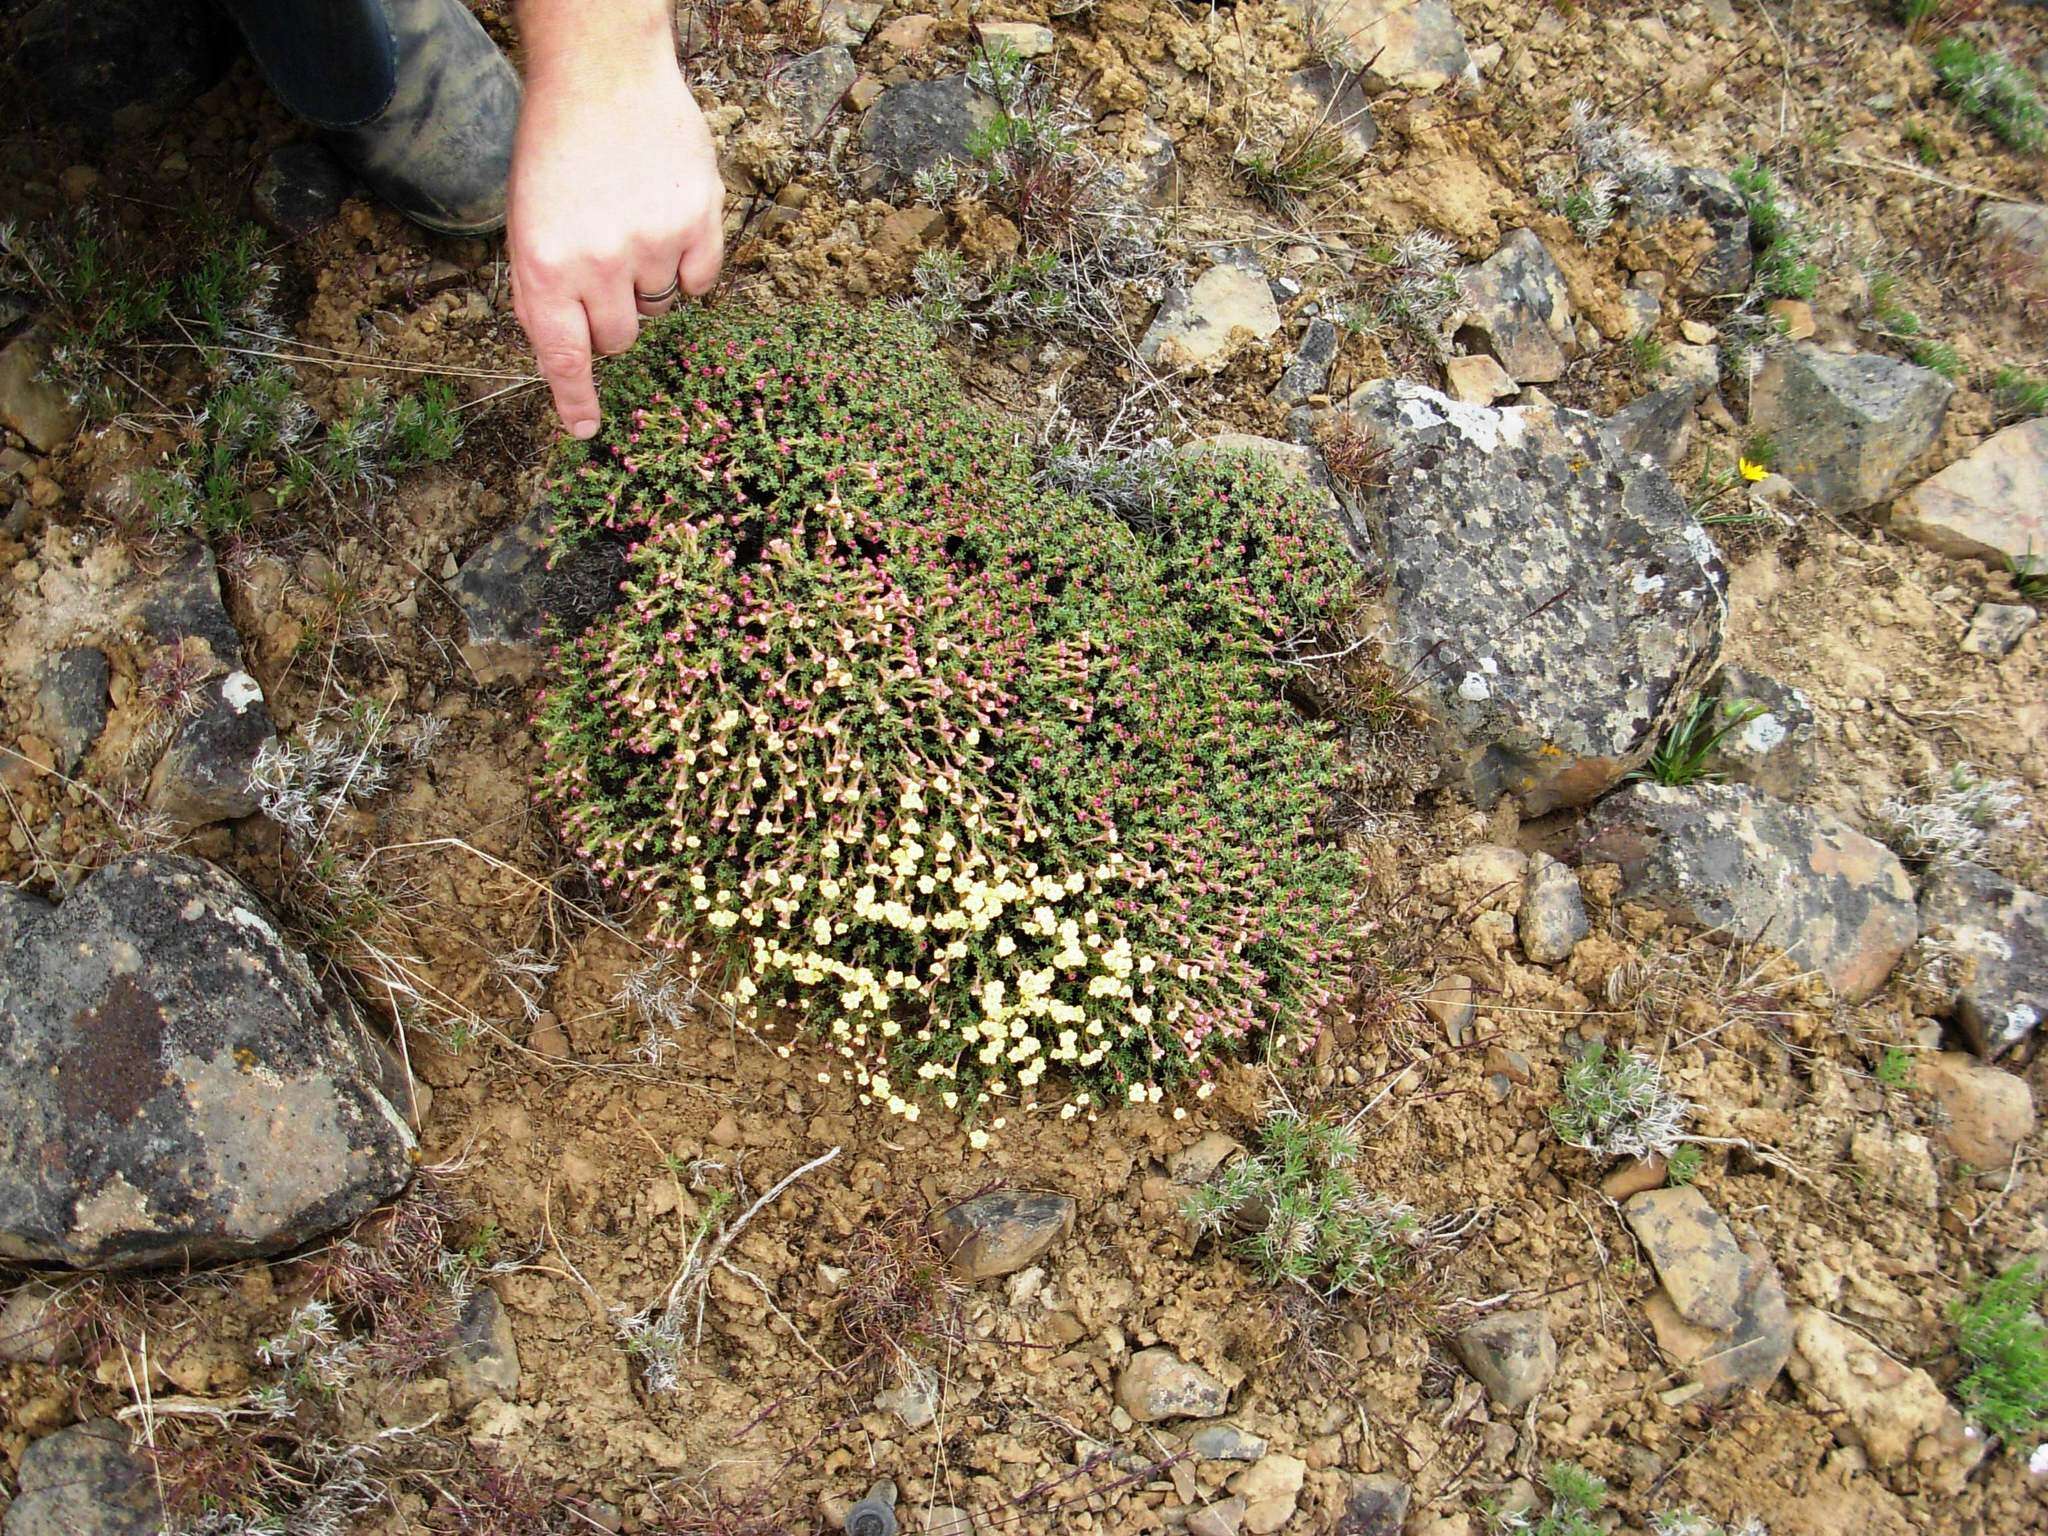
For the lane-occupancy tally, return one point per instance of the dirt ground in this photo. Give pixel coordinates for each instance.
(591, 1163)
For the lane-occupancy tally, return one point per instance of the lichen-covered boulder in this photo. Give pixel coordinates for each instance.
(1846, 425)
(1724, 856)
(1555, 604)
(918, 127)
(174, 1085)
(1516, 306)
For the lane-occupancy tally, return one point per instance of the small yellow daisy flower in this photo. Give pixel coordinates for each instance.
(1750, 470)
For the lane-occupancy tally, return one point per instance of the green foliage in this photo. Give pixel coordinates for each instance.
(1299, 1213)
(1895, 1067)
(1779, 235)
(1647, 353)
(2000, 1334)
(1576, 1499)
(962, 775)
(1923, 19)
(1682, 1165)
(1990, 87)
(1617, 1106)
(1312, 157)
(1940, 356)
(2019, 393)
(1681, 757)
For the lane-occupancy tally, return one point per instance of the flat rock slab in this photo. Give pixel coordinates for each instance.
(1157, 1384)
(1001, 1233)
(88, 1480)
(1723, 856)
(1372, 1506)
(514, 585)
(71, 702)
(1229, 308)
(1415, 44)
(1695, 1253)
(1337, 99)
(1846, 425)
(1556, 604)
(1986, 1112)
(2002, 929)
(1747, 1357)
(1512, 1355)
(1991, 504)
(1516, 306)
(919, 127)
(1910, 1432)
(174, 1085)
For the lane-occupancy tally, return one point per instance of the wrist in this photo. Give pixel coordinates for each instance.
(591, 46)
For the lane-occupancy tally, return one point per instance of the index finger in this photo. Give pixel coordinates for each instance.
(559, 331)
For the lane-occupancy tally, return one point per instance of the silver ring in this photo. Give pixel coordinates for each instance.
(675, 287)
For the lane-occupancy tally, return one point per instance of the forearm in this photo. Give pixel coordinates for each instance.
(572, 43)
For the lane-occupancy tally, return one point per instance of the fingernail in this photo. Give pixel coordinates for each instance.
(583, 426)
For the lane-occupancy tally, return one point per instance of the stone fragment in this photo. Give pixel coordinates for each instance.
(1270, 1488)
(1896, 1415)
(1000, 1233)
(1634, 1176)
(71, 702)
(1557, 604)
(1199, 1161)
(88, 1480)
(175, 1085)
(1309, 373)
(204, 773)
(1846, 424)
(1229, 307)
(1223, 1518)
(1151, 176)
(1416, 45)
(1553, 915)
(1373, 1506)
(2015, 241)
(485, 1360)
(1986, 1113)
(917, 127)
(1723, 856)
(1990, 505)
(300, 188)
(1226, 1442)
(508, 589)
(1478, 380)
(1725, 267)
(2002, 930)
(1995, 628)
(1773, 749)
(848, 22)
(1336, 99)
(1157, 1384)
(1512, 1355)
(1516, 306)
(1897, 1166)
(35, 1328)
(912, 1402)
(1793, 318)
(1695, 1254)
(30, 403)
(1453, 1002)
(1657, 426)
(1747, 1357)
(1027, 39)
(814, 85)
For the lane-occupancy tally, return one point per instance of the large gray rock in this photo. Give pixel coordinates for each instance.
(1727, 264)
(1415, 44)
(1657, 425)
(1846, 424)
(1516, 306)
(88, 1480)
(2015, 239)
(1229, 308)
(918, 127)
(1556, 605)
(1512, 1355)
(1724, 856)
(174, 1085)
(2001, 931)
(31, 404)
(1991, 504)
(203, 774)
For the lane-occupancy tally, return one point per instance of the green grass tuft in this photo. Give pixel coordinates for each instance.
(1992, 88)
(1681, 757)
(2000, 1334)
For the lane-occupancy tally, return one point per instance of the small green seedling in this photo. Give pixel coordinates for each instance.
(1895, 1067)
(1682, 756)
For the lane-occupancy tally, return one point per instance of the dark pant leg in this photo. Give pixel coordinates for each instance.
(333, 62)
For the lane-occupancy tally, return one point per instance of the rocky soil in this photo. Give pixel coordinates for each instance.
(231, 1024)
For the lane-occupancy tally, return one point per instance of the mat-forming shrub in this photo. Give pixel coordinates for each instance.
(964, 775)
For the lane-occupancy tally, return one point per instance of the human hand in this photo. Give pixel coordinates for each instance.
(614, 191)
